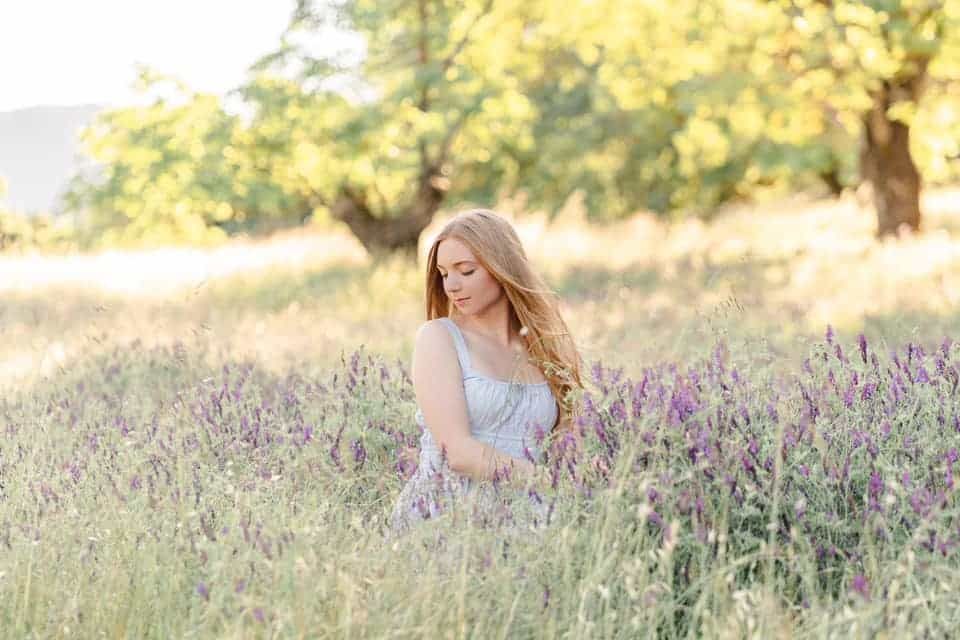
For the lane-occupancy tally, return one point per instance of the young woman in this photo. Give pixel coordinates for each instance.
(493, 364)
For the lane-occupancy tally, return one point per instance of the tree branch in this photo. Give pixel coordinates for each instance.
(466, 37)
(455, 128)
(423, 53)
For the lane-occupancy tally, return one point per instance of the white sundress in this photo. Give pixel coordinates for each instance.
(505, 415)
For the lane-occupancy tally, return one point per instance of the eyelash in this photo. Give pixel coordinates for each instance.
(466, 273)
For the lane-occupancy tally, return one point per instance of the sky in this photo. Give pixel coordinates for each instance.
(66, 52)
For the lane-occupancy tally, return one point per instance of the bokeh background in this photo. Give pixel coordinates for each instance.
(761, 168)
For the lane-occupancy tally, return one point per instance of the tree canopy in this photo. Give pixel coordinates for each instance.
(636, 106)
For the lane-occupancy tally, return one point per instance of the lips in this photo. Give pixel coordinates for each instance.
(461, 300)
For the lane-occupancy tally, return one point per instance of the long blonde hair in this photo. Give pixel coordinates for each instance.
(533, 304)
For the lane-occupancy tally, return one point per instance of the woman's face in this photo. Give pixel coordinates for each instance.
(469, 286)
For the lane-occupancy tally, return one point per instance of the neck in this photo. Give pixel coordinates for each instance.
(494, 322)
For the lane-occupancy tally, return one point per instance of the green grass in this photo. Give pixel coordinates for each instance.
(126, 513)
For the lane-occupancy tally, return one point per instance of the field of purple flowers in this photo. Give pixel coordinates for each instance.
(147, 494)
(210, 443)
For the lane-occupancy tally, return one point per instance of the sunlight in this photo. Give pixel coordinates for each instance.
(160, 272)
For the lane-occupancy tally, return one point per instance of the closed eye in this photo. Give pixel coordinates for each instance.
(466, 273)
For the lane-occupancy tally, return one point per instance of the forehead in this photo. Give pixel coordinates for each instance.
(451, 251)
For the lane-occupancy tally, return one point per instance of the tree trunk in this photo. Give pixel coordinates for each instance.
(885, 160)
(391, 234)
(831, 178)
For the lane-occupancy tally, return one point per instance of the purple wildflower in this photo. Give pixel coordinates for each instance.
(597, 372)
(921, 501)
(718, 358)
(772, 412)
(861, 585)
(951, 459)
(617, 411)
(359, 453)
(203, 591)
(875, 487)
(838, 350)
(539, 435)
(848, 396)
(862, 341)
(655, 518)
(335, 449)
(528, 455)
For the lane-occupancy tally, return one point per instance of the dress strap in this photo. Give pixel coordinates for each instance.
(460, 342)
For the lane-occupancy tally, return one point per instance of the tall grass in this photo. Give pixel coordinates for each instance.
(220, 457)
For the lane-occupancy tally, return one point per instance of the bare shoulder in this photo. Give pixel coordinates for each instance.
(434, 352)
(432, 332)
(433, 341)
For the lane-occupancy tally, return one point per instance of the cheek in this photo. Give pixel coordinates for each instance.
(489, 286)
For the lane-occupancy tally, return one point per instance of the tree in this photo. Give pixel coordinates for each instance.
(633, 104)
(179, 169)
(441, 97)
(676, 111)
(874, 59)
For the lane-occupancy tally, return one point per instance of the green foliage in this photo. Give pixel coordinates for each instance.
(716, 100)
(859, 46)
(181, 169)
(676, 111)
(444, 92)
(20, 232)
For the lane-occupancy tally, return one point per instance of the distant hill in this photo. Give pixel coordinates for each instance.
(38, 154)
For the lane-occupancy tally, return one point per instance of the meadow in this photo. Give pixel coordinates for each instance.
(206, 442)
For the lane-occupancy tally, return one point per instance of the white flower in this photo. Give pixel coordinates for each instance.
(524, 331)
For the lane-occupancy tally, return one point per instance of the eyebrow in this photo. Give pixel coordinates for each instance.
(457, 262)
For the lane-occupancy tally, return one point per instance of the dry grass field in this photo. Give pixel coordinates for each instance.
(636, 292)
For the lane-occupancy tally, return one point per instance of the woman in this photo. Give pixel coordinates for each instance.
(494, 369)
